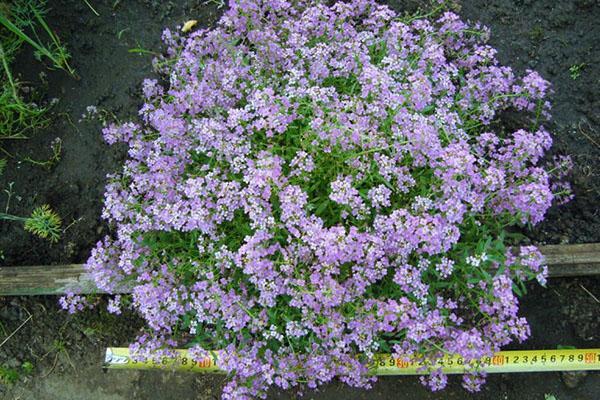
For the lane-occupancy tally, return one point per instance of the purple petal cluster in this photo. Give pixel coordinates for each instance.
(314, 183)
(73, 303)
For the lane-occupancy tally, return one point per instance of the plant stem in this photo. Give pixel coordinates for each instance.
(8, 74)
(9, 217)
(59, 59)
(91, 8)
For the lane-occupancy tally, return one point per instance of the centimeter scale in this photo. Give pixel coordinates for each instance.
(384, 364)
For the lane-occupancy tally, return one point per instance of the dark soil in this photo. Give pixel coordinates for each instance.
(66, 351)
(551, 38)
(110, 78)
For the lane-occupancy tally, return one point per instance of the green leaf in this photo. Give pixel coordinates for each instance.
(565, 347)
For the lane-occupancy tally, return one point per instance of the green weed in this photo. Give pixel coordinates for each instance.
(56, 147)
(536, 33)
(22, 21)
(9, 376)
(575, 70)
(43, 222)
(28, 16)
(17, 116)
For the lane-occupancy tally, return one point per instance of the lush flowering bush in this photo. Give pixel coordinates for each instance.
(317, 182)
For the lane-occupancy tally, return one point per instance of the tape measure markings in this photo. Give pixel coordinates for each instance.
(385, 364)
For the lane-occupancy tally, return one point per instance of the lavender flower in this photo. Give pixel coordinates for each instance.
(316, 182)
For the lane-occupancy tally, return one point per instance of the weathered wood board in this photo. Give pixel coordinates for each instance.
(563, 261)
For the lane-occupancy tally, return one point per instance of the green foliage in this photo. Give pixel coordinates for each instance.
(27, 367)
(536, 33)
(575, 70)
(17, 115)
(9, 376)
(25, 20)
(44, 223)
(22, 21)
(56, 147)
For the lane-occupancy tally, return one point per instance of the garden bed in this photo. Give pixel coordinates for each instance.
(549, 39)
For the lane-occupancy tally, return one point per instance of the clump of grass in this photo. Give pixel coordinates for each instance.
(22, 21)
(8, 376)
(26, 20)
(17, 115)
(575, 70)
(43, 222)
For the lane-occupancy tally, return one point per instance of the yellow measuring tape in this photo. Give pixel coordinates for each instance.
(384, 364)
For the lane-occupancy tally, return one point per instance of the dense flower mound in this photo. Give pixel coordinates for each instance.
(314, 183)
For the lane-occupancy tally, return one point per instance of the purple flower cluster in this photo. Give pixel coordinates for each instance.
(73, 303)
(317, 182)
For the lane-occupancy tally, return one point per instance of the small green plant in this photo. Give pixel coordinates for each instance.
(102, 115)
(56, 147)
(17, 116)
(550, 397)
(43, 222)
(536, 34)
(27, 367)
(575, 70)
(22, 21)
(59, 347)
(9, 375)
(9, 195)
(29, 16)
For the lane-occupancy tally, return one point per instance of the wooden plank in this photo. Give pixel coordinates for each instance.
(45, 279)
(572, 259)
(563, 261)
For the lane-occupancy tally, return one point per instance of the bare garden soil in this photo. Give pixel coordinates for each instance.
(66, 352)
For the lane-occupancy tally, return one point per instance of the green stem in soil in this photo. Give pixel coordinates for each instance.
(9, 217)
(91, 8)
(58, 56)
(8, 74)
